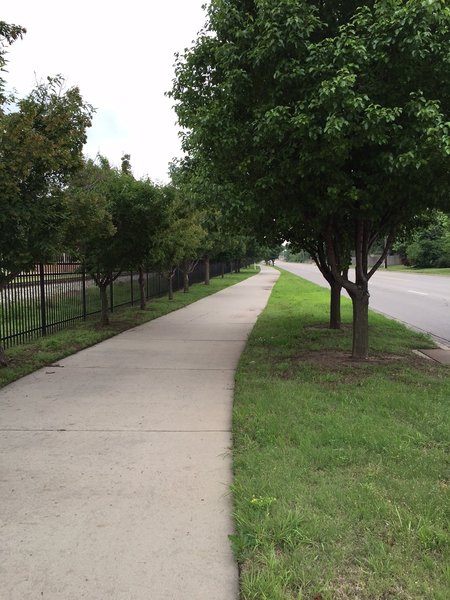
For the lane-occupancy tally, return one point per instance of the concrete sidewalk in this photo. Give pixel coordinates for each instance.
(115, 464)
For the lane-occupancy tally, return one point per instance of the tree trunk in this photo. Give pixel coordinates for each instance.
(185, 282)
(207, 273)
(142, 289)
(360, 301)
(3, 359)
(104, 318)
(171, 287)
(222, 268)
(335, 305)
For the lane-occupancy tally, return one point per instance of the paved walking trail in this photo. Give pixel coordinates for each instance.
(115, 465)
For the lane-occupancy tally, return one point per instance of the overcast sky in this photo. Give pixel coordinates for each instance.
(120, 54)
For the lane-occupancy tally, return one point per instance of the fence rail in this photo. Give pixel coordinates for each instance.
(56, 295)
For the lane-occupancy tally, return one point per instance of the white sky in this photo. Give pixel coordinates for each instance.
(120, 54)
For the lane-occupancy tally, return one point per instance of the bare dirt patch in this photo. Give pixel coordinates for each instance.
(342, 366)
(326, 327)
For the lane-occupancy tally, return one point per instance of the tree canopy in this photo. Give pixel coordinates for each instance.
(41, 142)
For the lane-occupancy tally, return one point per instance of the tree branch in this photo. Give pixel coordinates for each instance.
(389, 241)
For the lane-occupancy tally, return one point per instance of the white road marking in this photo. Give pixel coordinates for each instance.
(420, 293)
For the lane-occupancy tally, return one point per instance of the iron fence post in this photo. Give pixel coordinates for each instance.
(111, 295)
(132, 292)
(43, 300)
(84, 292)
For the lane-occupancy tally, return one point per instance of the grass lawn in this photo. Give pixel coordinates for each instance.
(36, 354)
(341, 488)
(430, 271)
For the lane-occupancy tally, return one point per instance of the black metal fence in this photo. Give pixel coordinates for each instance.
(55, 295)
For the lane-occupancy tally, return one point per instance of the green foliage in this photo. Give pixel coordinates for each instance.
(8, 35)
(425, 253)
(290, 255)
(182, 239)
(41, 142)
(271, 253)
(223, 239)
(112, 218)
(113, 221)
(427, 244)
(430, 245)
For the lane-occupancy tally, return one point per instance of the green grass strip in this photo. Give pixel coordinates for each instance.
(426, 271)
(341, 488)
(31, 356)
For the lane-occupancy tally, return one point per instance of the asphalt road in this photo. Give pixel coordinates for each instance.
(420, 301)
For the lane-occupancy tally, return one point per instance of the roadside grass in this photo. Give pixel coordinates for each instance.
(430, 271)
(341, 473)
(41, 352)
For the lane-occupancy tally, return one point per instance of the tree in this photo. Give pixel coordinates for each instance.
(338, 129)
(192, 247)
(379, 115)
(41, 141)
(113, 223)
(41, 145)
(94, 224)
(40, 148)
(178, 245)
(144, 216)
(147, 217)
(200, 195)
(271, 253)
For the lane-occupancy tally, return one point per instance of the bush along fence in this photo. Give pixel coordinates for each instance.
(55, 295)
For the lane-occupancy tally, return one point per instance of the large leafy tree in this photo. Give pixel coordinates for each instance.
(334, 126)
(41, 141)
